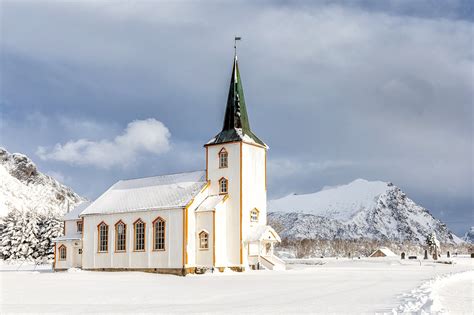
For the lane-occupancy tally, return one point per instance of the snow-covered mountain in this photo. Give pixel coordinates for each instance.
(24, 188)
(469, 236)
(361, 209)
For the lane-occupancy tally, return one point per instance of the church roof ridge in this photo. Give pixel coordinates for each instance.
(160, 175)
(148, 193)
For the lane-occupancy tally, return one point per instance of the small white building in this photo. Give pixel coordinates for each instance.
(383, 252)
(68, 248)
(215, 218)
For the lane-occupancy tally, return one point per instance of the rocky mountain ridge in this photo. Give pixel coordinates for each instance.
(23, 187)
(469, 236)
(359, 210)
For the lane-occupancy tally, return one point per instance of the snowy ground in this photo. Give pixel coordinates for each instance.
(451, 294)
(371, 285)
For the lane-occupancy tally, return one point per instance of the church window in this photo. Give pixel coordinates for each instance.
(139, 226)
(203, 240)
(120, 236)
(79, 226)
(159, 234)
(62, 252)
(223, 155)
(254, 215)
(79, 251)
(223, 186)
(103, 237)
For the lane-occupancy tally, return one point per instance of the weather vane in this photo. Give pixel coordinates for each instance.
(236, 38)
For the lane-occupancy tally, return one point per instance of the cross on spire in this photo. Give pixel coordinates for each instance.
(236, 38)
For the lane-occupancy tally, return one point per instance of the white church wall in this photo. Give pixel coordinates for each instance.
(191, 246)
(220, 234)
(253, 249)
(204, 222)
(73, 258)
(171, 257)
(254, 194)
(70, 227)
(232, 174)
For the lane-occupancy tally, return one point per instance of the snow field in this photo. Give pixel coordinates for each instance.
(446, 294)
(371, 285)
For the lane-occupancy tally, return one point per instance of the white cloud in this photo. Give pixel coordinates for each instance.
(140, 136)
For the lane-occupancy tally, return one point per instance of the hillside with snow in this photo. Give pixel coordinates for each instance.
(361, 209)
(469, 236)
(24, 188)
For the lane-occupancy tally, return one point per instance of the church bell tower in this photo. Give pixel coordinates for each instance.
(236, 168)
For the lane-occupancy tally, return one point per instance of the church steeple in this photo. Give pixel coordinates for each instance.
(236, 122)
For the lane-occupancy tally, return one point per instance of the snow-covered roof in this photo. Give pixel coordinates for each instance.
(261, 232)
(386, 251)
(210, 203)
(70, 237)
(76, 211)
(158, 192)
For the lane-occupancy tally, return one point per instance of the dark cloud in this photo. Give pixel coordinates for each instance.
(338, 90)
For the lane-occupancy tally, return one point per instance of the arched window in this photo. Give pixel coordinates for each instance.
(203, 240)
(223, 158)
(120, 236)
(139, 227)
(62, 252)
(254, 215)
(159, 228)
(223, 185)
(103, 237)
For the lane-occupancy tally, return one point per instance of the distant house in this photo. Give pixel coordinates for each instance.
(383, 252)
(178, 223)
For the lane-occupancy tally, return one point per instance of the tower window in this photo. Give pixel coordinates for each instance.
(203, 240)
(254, 215)
(223, 185)
(223, 158)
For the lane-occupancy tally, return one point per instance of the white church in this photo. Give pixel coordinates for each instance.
(180, 223)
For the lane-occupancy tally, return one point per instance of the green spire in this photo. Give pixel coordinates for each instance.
(236, 122)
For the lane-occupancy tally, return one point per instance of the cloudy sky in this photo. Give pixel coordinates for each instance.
(96, 91)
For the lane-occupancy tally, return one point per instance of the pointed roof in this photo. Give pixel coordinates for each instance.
(236, 122)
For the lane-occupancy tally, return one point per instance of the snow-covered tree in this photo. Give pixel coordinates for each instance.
(14, 240)
(28, 236)
(9, 230)
(49, 227)
(433, 245)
